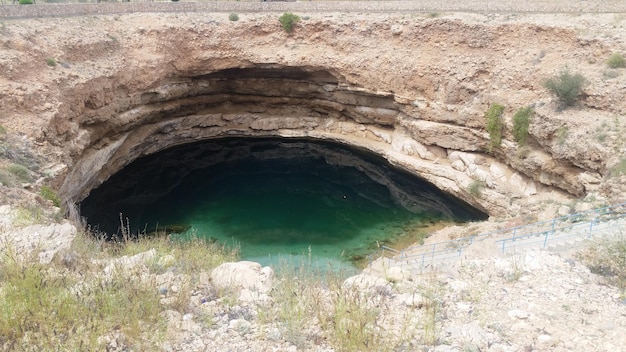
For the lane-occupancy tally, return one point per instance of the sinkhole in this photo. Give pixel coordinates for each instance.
(274, 198)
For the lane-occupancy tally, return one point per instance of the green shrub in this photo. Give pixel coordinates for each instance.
(51, 62)
(233, 17)
(20, 171)
(48, 193)
(566, 86)
(26, 2)
(606, 256)
(616, 60)
(288, 20)
(495, 125)
(561, 135)
(476, 188)
(3, 130)
(619, 168)
(521, 121)
(610, 74)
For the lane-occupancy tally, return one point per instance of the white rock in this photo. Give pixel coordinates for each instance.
(365, 282)
(545, 340)
(396, 29)
(518, 314)
(410, 299)
(47, 239)
(458, 165)
(496, 171)
(397, 274)
(244, 274)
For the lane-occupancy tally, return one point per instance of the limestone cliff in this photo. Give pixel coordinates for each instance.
(97, 92)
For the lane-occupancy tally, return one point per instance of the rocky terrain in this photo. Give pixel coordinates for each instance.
(82, 97)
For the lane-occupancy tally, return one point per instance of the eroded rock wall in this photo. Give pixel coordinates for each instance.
(408, 87)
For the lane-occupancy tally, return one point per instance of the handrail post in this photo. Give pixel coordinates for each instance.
(545, 241)
(503, 244)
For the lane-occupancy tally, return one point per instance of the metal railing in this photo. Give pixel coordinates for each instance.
(538, 235)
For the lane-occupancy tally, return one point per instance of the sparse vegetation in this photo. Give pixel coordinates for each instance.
(72, 305)
(26, 2)
(561, 135)
(48, 193)
(233, 17)
(606, 256)
(495, 125)
(521, 122)
(619, 168)
(20, 172)
(288, 20)
(476, 188)
(610, 74)
(566, 87)
(51, 62)
(616, 60)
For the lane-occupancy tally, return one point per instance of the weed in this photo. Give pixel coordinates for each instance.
(430, 308)
(561, 135)
(495, 125)
(28, 215)
(476, 188)
(26, 2)
(51, 62)
(233, 17)
(566, 87)
(433, 14)
(3, 131)
(606, 256)
(20, 172)
(521, 122)
(288, 20)
(619, 168)
(48, 193)
(616, 60)
(610, 74)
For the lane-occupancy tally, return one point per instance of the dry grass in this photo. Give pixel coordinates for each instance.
(72, 304)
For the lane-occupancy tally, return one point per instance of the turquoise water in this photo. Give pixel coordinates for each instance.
(269, 215)
(272, 200)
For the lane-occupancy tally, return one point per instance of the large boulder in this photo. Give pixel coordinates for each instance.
(45, 240)
(243, 275)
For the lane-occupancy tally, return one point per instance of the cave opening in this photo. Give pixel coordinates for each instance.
(274, 198)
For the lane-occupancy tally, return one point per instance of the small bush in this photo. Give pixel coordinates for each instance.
(51, 62)
(619, 168)
(521, 122)
(495, 125)
(610, 74)
(566, 86)
(3, 130)
(48, 193)
(21, 172)
(26, 2)
(288, 20)
(616, 60)
(607, 257)
(233, 17)
(476, 188)
(561, 135)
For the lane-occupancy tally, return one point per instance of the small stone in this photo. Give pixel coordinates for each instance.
(187, 316)
(174, 289)
(544, 340)
(518, 314)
